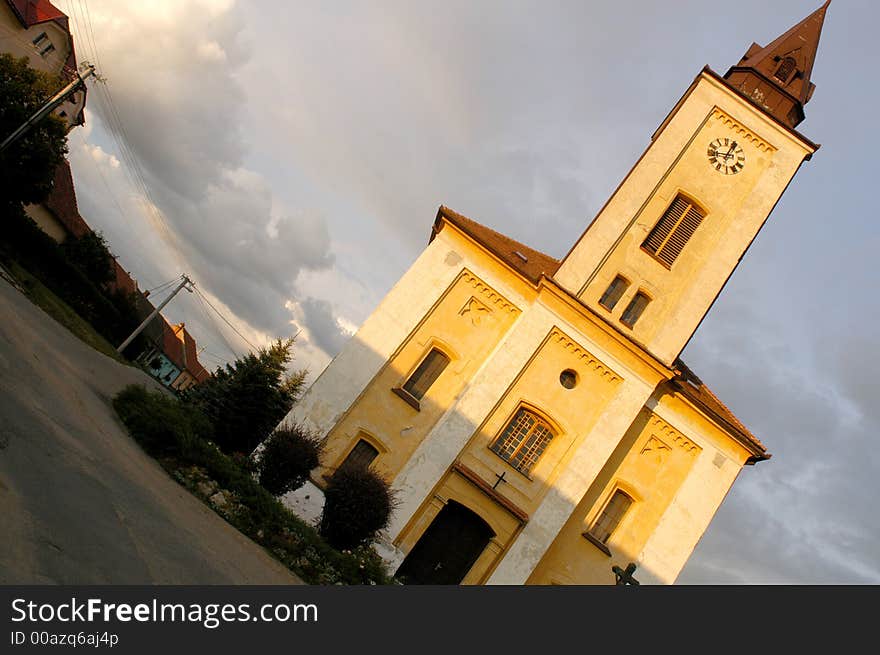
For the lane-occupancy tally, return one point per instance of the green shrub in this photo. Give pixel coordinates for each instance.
(173, 430)
(357, 505)
(288, 456)
(160, 423)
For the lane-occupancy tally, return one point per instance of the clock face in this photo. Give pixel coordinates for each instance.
(726, 156)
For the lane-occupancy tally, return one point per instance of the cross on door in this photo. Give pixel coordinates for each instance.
(500, 479)
(625, 576)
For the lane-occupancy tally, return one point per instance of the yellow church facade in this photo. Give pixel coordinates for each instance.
(532, 414)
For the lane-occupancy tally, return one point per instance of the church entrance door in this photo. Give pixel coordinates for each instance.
(448, 548)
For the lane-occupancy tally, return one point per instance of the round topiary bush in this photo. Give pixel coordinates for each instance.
(357, 505)
(288, 455)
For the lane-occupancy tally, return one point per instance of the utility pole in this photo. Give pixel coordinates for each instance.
(46, 109)
(183, 283)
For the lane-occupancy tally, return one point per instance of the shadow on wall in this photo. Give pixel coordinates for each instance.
(434, 455)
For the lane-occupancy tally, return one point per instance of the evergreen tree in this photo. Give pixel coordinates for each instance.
(246, 400)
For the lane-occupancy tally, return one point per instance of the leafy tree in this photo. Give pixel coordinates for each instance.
(27, 167)
(246, 400)
(289, 454)
(90, 254)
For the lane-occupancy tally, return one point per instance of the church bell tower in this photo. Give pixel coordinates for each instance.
(532, 414)
(661, 249)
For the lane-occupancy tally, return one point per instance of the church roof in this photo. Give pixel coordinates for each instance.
(777, 76)
(529, 262)
(533, 264)
(695, 390)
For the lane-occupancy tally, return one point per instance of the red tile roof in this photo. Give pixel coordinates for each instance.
(62, 202)
(695, 390)
(529, 262)
(34, 12)
(192, 358)
(122, 281)
(534, 264)
(172, 345)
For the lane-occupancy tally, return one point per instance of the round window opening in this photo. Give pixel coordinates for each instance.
(568, 378)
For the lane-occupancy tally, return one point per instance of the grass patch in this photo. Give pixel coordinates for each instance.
(178, 436)
(43, 298)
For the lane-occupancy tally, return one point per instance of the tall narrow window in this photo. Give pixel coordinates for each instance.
(523, 441)
(611, 515)
(426, 374)
(40, 38)
(786, 68)
(673, 230)
(613, 292)
(361, 456)
(634, 309)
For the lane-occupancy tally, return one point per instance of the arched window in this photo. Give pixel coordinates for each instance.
(523, 441)
(426, 373)
(606, 523)
(634, 309)
(673, 230)
(361, 456)
(786, 68)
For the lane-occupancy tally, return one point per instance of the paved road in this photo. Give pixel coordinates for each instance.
(80, 502)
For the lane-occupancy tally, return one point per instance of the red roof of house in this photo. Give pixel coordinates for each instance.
(62, 201)
(193, 365)
(122, 281)
(33, 12)
(532, 264)
(172, 345)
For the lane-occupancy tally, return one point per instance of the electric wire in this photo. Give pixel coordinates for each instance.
(234, 329)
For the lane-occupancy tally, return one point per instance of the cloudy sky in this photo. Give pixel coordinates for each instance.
(294, 156)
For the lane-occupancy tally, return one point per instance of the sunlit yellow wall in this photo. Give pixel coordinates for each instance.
(736, 207)
(650, 465)
(466, 323)
(570, 412)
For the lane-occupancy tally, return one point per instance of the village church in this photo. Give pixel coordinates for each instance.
(533, 414)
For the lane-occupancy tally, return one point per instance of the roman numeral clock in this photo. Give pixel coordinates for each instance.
(726, 156)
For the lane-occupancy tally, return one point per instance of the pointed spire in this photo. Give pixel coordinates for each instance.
(777, 76)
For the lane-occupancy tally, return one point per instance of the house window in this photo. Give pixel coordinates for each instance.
(610, 518)
(523, 441)
(634, 309)
(426, 374)
(38, 41)
(673, 230)
(45, 51)
(786, 68)
(613, 292)
(361, 456)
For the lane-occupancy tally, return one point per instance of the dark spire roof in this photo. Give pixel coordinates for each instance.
(777, 76)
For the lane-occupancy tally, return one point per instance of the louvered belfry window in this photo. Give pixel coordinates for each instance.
(785, 69)
(673, 230)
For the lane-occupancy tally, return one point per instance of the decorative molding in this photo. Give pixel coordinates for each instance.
(475, 310)
(656, 447)
(672, 435)
(492, 298)
(743, 132)
(591, 361)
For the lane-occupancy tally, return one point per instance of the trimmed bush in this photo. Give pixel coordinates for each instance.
(288, 456)
(357, 505)
(162, 424)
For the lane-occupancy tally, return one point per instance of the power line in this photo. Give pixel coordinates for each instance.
(234, 329)
(216, 327)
